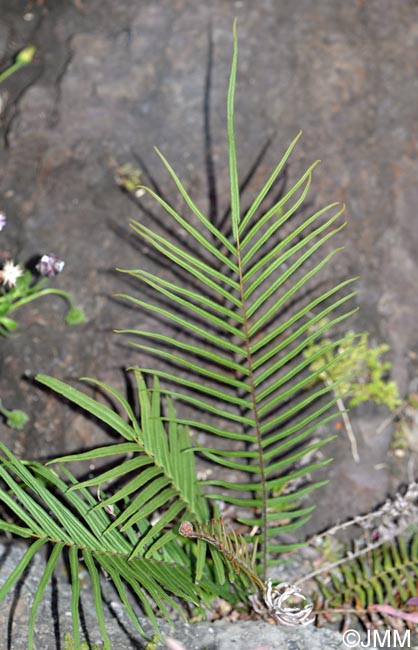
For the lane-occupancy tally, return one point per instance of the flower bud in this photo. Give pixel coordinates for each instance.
(49, 266)
(26, 55)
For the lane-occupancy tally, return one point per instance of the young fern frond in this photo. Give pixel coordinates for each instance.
(266, 599)
(231, 546)
(38, 505)
(243, 361)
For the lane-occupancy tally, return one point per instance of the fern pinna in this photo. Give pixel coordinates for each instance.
(243, 359)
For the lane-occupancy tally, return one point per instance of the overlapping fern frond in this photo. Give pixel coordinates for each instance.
(72, 525)
(157, 466)
(242, 361)
(126, 530)
(238, 556)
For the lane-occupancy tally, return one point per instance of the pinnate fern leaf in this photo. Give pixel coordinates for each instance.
(41, 508)
(158, 467)
(242, 364)
(375, 585)
(112, 532)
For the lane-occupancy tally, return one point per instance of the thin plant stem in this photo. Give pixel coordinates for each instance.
(39, 294)
(346, 421)
(9, 71)
(330, 567)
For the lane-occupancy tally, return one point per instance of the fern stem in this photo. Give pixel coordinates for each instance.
(254, 408)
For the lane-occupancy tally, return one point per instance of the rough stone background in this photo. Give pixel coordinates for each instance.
(111, 81)
(220, 635)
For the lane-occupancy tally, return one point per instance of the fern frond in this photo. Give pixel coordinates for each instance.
(231, 546)
(38, 505)
(241, 562)
(159, 473)
(243, 361)
(373, 585)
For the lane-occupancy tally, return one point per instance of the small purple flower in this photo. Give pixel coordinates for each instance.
(49, 266)
(3, 220)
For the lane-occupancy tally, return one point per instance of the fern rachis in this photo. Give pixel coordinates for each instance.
(245, 365)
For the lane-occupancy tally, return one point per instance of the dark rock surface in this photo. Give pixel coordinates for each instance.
(112, 81)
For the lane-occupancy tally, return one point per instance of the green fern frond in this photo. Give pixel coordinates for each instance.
(243, 362)
(158, 468)
(386, 575)
(39, 506)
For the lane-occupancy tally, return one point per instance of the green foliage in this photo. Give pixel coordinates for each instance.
(163, 462)
(362, 364)
(55, 510)
(152, 645)
(75, 316)
(240, 363)
(400, 437)
(383, 578)
(25, 56)
(26, 290)
(129, 177)
(14, 419)
(231, 546)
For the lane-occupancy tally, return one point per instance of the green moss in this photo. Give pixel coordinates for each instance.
(69, 644)
(355, 358)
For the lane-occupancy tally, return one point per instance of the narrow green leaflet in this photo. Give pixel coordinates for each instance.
(72, 524)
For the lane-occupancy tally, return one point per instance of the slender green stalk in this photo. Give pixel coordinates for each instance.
(9, 71)
(24, 57)
(75, 314)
